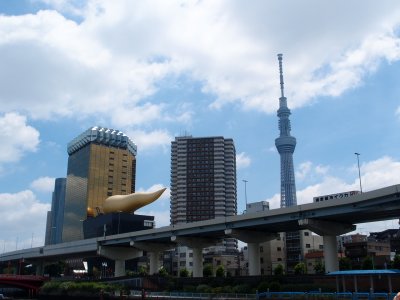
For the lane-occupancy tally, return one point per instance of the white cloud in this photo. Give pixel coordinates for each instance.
(43, 184)
(22, 215)
(122, 51)
(160, 208)
(242, 160)
(397, 113)
(145, 140)
(156, 187)
(379, 173)
(304, 169)
(18, 137)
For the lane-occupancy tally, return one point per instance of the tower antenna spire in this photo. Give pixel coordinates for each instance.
(281, 74)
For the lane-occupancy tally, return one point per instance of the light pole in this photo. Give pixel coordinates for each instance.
(359, 173)
(245, 191)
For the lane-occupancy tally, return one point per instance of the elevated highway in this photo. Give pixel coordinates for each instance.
(329, 219)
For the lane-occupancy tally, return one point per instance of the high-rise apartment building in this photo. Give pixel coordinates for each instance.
(203, 179)
(101, 163)
(286, 144)
(203, 184)
(56, 215)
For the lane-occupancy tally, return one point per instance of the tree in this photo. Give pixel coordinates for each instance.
(220, 272)
(300, 268)
(319, 267)
(396, 262)
(142, 271)
(162, 272)
(344, 263)
(367, 263)
(278, 270)
(184, 273)
(208, 270)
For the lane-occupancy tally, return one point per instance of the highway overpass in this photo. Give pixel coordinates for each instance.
(329, 219)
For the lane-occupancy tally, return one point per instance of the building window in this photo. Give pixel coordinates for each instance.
(261, 249)
(182, 254)
(308, 246)
(279, 259)
(261, 260)
(278, 249)
(306, 233)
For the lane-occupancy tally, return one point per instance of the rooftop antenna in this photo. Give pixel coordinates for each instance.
(281, 74)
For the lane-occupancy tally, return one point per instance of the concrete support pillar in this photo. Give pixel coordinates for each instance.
(153, 249)
(119, 255)
(119, 268)
(254, 258)
(197, 244)
(253, 240)
(154, 262)
(39, 268)
(330, 253)
(328, 230)
(197, 262)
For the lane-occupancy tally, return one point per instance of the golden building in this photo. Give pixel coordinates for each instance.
(101, 163)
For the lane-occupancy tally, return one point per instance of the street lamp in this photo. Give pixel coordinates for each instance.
(245, 191)
(359, 173)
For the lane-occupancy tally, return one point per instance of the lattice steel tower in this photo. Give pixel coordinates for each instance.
(285, 144)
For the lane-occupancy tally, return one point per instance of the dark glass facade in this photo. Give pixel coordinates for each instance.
(115, 223)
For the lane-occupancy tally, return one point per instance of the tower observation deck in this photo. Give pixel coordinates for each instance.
(285, 145)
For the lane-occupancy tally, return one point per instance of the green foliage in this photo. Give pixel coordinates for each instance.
(319, 268)
(55, 269)
(344, 264)
(74, 288)
(263, 287)
(162, 272)
(274, 286)
(278, 270)
(203, 288)
(242, 289)
(184, 273)
(367, 263)
(220, 272)
(208, 270)
(300, 268)
(142, 271)
(396, 262)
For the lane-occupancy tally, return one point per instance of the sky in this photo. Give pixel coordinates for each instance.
(160, 69)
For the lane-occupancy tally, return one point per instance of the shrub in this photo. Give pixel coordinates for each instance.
(203, 288)
(242, 289)
(274, 286)
(184, 273)
(220, 272)
(263, 286)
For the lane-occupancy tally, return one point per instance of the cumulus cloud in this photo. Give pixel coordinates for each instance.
(23, 216)
(18, 137)
(145, 140)
(161, 216)
(376, 174)
(397, 113)
(121, 52)
(43, 184)
(242, 160)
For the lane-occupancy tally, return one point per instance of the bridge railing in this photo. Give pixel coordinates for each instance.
(324, 296)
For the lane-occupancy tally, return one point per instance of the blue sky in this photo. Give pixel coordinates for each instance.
(160, 69)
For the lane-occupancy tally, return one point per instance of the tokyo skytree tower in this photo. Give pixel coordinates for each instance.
(285, 144)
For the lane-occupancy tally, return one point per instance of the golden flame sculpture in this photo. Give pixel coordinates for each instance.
(130, 203)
